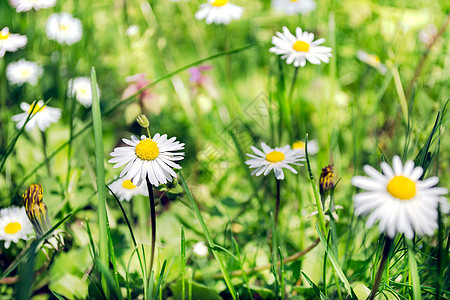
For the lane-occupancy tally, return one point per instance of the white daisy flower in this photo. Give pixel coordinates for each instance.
(313, 147)
(64, 28)
(219, 12)
(80, 88)
(149, 157)
(14, 225)
(399, 200)
(200, 249)
(294, 7)
(11, 41)
(274, 159)
(124, 189)
(27, 5)
(42, 116)
(23, 71)
(300, 48)
(372, 60)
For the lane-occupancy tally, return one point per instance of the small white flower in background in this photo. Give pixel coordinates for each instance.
(14, 225)
(313, 147)
(372, 60)
(132, 30)
(275, 159)
(124, 189)
(11, 41)
(399, 200)
(23, 71)
(27, 5)
(153, 157)
(63, 28)
(294, 7)
(200, 249)
(299, 48)
(428, 34)
(219, 12)
(81, 89)
(42, 116)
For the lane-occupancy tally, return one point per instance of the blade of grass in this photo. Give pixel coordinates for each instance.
(334, 262)
(413, 271)
(211, 243)
(314, 286)
(100, 172)
(160, 280)
(109, 280)
(183, 264)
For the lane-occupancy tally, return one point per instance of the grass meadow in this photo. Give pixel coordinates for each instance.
(88, 212)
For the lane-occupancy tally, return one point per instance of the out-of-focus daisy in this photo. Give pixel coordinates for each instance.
(64, 28)
(23, 71)
(27, 5)
(124, 189)
(11, 41)
(14, 225)
(41, 116)
(80, 88)
(275, 159)
(313, 147)
(294, 7)
(132, 30)
(200, 249)
(299, 48)
(219, 12)
(428, 34)
(398, 199)
(372, 60)
(149, 157)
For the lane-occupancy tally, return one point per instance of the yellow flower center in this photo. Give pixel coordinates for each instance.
(293, 0)
(301, 46)
(12, 228)
(63, 27)
(128, 185)
(35, 109)
(147, 149)
(275, 156)
(4, 36)
(219, 3)
(401, 187)
(25, 73)
(298, 145)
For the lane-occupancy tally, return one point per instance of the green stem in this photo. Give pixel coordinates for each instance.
(44, 150)
(384, 259)
(315, 190)
(294, 80)
(277, 204)
(153, 222)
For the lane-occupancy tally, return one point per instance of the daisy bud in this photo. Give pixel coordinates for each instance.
(326, 180)
(143, 121)
(36, 209)
(37, 213)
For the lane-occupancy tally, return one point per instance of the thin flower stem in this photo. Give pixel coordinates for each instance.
(148, 131)
(384, 259)
(294, 80)
(316, 191)
(153, 222)
(44, 149)
(277, 204)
